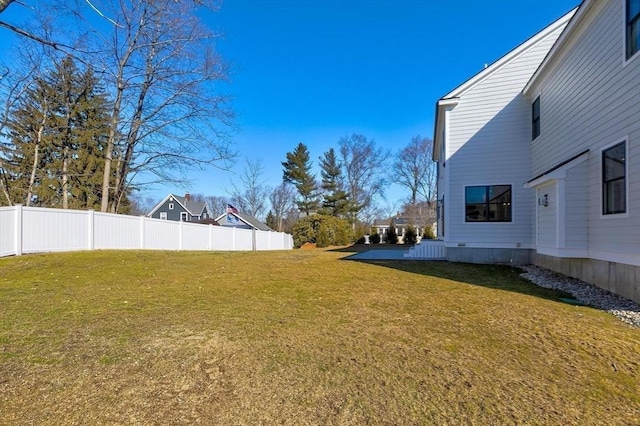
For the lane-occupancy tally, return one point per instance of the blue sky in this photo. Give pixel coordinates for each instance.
(312, 71)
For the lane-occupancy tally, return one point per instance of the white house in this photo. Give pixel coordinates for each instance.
(482, 146)
(585, 164)
(545, 168)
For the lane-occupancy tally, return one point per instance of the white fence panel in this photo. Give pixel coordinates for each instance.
(223, 238)
(195, 236)
(262, 240)
(33, 230)
(244, 238)
(161, 235)
(7, 231)
(116, 231)
(54, 230)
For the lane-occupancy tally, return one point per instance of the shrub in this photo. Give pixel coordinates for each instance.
(410, 235)
(360, 240)
(375, 238)
(428, 233)
(390, 237)
(322, 230)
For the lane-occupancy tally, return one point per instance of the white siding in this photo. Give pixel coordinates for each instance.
(547, 217)
(590, 98)
(576, 207)
(488, 143)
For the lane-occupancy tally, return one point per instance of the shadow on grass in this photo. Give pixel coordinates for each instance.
(499, 277)
(359, 248)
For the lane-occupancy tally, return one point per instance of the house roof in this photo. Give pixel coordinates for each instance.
(247, 220)
(565, 39)
(558, 171)
(398, 220)
(195, 208)
(451, 99)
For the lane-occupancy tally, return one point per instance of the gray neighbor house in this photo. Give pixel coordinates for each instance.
(176, 208)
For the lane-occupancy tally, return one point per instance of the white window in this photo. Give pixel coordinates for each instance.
(170, 206)
(183, 216)
(163, 215)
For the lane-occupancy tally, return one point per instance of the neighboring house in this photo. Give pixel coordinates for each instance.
(241, 220)
(539, 154)
(177, 208)
(381, 226)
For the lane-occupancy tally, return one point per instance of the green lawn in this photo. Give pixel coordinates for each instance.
(301, 337)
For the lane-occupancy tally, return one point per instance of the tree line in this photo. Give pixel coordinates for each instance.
(119, 100)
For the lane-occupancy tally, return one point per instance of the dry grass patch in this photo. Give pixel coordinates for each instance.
(301, 337)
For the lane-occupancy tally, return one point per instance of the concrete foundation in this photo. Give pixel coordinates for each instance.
(506, 256)
(618, 278)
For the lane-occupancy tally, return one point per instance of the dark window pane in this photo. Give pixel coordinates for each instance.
(614, 179)
(634, 8)
(633, 38)
(488, 203)
(476, 194)
(476, 213)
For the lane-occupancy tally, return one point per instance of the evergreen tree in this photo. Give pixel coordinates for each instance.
(297, 170)
(335, 200)
(57, 140)
(271, 220)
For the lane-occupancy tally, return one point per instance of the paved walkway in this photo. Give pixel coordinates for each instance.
(394, 254)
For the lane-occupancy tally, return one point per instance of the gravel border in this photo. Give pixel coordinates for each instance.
(626, 310)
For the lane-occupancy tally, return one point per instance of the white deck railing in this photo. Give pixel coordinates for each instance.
(38, 230)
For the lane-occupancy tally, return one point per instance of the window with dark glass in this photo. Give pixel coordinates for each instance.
(614, 171)
(488, 203)
(633, 27)
(535, 118)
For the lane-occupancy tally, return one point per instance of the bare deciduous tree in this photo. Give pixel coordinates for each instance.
(250, 195)
(283, 199)
(168, 116)
(363, 162)
(217, 203)
(415, 169)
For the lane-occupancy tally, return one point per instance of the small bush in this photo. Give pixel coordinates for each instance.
(360, 240)
(410, 235)
(390, 237)
(322, 230)
(375, 238)
(428, 233)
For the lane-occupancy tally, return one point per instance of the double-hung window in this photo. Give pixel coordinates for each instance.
(633, 27)
(614, 179)
(535, 118)
(488, 203)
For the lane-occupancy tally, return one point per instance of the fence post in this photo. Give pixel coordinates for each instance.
(17, 243)
(90, 218)
(210, 236)
(253, 239)
(180, 235)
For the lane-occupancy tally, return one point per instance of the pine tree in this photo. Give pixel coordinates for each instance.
(271, 220)
(335, 200)
(297, 170)
(57, 140)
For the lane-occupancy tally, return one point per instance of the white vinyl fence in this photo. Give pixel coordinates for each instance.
(37, 230)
